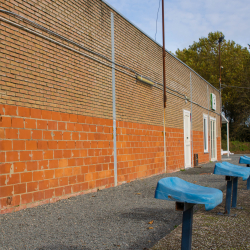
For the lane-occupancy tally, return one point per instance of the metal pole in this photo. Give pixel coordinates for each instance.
(220, 41)
(187, 224)
(235, 187)
(228, 195)
(164, 57)
(228, 139)
(113, 93)
(164, 84)
(192, 135)
(220, 82)
(220, 63)
(208, 127)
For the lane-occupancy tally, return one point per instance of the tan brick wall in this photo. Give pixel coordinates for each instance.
(40, 74)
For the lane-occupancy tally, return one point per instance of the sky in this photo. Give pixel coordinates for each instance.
(188, 20)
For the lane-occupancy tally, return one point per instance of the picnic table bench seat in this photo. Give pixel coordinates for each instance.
(186, 195)
(232, 173)
(228, 169)
(244, 160)
(176, 189)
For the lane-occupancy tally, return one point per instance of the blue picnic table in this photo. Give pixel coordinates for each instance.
(246, 160)
(186, 195)
(232, 173)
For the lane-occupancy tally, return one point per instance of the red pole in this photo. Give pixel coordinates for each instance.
(164, 86)
(164, 57)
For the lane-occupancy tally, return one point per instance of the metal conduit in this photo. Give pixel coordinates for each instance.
(59, 36)
(90, 57)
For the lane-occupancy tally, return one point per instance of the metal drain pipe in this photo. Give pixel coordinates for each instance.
(113, 95)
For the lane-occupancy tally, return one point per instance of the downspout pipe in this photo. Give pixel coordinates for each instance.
(113, 95)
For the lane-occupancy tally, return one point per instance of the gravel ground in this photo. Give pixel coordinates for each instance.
(115, 218)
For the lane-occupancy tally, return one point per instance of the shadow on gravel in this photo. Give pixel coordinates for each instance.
(164, 221)
(61, 247)
(144, 214)
(156, 234)
(195, 171)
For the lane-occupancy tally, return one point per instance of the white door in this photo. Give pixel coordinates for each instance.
(187, 139)
(213, 139)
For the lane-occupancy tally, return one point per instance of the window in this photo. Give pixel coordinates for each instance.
(205, 133)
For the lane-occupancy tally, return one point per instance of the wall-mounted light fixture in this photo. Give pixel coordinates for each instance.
(142, 79)
(187, 99)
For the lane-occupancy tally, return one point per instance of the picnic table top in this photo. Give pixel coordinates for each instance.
(228, 169)
(176, 189)
(244, 160)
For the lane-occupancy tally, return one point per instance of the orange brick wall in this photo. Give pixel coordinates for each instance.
(47, 154)
(198, 146)
(175, 149)
(219, 148)
(140, 150)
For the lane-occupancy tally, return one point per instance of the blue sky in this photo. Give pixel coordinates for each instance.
(188, 20)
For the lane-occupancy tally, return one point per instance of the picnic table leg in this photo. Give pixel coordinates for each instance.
(248, 180)
(187, 223)
(234, 198)
(228, 195)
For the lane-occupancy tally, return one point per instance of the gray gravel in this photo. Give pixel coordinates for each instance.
(115, 218)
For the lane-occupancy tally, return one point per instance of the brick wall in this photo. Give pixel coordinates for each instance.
(47, 154)
(198, 145)
(219, 148)
(175, 149)
(38, 73)
(56, 112)
(140, 149)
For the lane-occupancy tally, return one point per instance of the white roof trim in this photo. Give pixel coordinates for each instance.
(224, 119)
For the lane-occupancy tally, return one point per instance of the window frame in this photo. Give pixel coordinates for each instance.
(205, 142)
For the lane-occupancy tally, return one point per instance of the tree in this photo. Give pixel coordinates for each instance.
(203, 57)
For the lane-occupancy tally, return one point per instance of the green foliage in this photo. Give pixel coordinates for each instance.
(236, 146)
(203, 57)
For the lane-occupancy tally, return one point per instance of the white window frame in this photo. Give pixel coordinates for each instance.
(215, 135)
(205, 122)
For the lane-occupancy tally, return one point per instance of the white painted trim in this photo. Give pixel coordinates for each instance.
(205, 117)
(186, 167)
(215, 131)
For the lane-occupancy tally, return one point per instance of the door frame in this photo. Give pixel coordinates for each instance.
(185, 165)
(215, 136)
